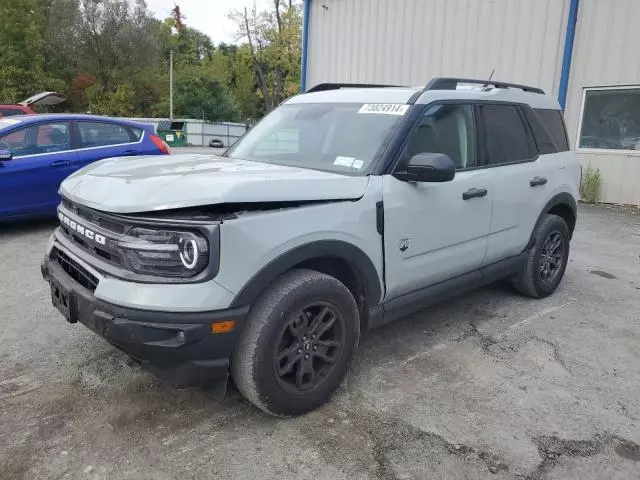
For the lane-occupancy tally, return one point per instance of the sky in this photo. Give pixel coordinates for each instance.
(208, 16)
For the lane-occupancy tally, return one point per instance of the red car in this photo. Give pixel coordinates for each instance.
(24, 108)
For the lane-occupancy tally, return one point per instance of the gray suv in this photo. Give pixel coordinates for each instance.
(347, 207)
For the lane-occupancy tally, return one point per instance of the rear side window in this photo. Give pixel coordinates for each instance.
(552, 121)
(99, 134)
(507, 138)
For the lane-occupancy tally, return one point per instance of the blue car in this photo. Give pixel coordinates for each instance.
(37, 152)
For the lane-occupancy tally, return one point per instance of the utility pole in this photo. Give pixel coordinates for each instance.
(171, 85)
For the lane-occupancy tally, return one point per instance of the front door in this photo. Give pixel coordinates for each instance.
(42, 159)
(436, 231)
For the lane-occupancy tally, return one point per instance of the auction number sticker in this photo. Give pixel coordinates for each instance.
(384, 108)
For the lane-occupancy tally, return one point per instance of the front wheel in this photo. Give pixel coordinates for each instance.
(297, 344)
(547, 259)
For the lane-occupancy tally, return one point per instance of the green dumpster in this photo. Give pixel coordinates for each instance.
(174, 133)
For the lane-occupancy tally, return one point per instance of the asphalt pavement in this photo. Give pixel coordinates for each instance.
(488, 385)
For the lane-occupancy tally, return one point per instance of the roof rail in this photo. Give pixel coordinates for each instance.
(321, 87)
(451, 83)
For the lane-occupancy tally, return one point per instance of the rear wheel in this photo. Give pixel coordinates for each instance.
(297, 344)
(547, 259)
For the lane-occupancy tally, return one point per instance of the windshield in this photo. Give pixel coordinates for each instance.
(341, 138)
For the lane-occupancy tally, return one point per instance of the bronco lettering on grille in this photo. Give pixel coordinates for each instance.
(81, 229)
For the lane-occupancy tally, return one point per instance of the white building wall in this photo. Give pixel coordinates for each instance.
(411, 41)
(606, 53)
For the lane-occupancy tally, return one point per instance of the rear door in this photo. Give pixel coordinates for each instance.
(42, 158)
(519, 179)
(97, 140)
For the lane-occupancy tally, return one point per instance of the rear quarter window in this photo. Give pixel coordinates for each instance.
(136, 133)
(554, 125)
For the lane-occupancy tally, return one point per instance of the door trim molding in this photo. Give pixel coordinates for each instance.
(425, 297)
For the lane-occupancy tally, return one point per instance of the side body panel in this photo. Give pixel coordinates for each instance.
(29, 184)
(431, 233)
(518, 205)
(252, 241)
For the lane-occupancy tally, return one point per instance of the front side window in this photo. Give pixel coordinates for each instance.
(448, 129)
(335, 137)
(100, 134)
(506, 135)
(37, 139)
(611, 119)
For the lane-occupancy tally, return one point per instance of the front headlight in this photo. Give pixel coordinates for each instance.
(167, 253)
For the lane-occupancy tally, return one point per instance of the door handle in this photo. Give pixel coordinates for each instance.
(535, 181)
(128, 153)
(473, 193)
(60, 163)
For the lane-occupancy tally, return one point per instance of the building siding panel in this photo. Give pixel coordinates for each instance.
(605, 54)
(411, 41)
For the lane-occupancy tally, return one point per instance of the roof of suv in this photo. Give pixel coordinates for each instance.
(404, 94)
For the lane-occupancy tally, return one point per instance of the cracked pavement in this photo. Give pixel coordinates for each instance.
(488, 385)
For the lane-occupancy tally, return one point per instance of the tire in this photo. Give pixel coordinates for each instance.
(216, 144)
(272, 363)
(534, 280)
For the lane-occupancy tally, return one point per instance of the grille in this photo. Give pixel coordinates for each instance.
(94, 217)
(76, 271)
(105, 253)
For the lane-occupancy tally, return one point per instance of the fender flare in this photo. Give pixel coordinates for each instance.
(563, 198)
(354, 256)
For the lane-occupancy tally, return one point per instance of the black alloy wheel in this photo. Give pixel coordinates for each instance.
(309, 347)
(547, 259)
(551, 256)
(297, 343)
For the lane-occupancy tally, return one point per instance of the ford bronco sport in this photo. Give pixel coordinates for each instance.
(345, 208)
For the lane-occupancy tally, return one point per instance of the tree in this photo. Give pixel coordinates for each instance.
(22, 60)
(115, 37)
(273, 39)
(112, 57)
(196, 94)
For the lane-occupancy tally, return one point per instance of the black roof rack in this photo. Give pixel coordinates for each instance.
(321, 87)
(451, 83)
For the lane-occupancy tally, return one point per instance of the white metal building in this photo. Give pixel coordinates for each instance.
(585, 52)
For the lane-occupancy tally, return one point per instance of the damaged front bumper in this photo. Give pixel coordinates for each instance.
(182, 348)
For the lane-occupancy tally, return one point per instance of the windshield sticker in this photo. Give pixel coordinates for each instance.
(384, 108)
(357, 164)
(344, 161)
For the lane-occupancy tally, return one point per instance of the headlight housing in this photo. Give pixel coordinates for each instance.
(166, 253)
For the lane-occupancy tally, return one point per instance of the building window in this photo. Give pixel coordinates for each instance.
(611, 119)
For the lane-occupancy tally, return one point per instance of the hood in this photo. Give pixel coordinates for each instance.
(161, 182)
(44, 98)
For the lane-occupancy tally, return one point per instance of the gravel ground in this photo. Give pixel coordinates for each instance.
(490, 385)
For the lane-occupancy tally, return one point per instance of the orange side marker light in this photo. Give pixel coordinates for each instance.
(224, 326)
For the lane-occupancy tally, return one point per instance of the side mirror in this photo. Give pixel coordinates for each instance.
(428, 167)
(5, 155)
